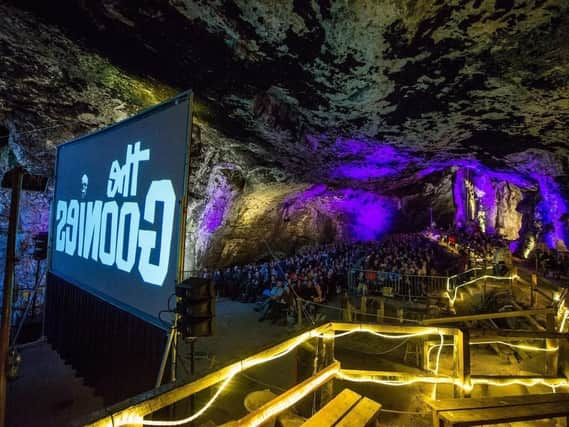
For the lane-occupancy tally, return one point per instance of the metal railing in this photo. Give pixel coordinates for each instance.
(408, 286)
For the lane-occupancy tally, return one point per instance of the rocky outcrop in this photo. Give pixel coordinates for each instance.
(313, 122)
(283, 218)
(508, 218)
(479, 77)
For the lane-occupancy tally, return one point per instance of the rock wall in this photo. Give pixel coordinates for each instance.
(273, 179)
(508, 217)
(527, 205)
(284, 217)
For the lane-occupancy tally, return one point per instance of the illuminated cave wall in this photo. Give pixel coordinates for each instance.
(284, 217)
(526, 208)
(367, 190)
(488, 201)
(33, 219)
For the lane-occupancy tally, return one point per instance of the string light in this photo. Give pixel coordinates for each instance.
(530, 382)
(271, 410)
(520, 346)
(456, 288)
(246, 364)
(418, 379)
(523, 382)
(563, 320)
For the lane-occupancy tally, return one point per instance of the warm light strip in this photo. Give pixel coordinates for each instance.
(431, 348)
(290, 400)
(370, 379)
(431, 331)
(527, 383)
(453, 298)
(554, 383)
(565, 316)
(246, 364)
(520, 346)
(286, 400)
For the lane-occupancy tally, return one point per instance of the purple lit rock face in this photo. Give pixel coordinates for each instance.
(551, 209)
(459, 194)
(486, 195)
(220, 196)
(362, 215)
(367, 160)
(549, 212)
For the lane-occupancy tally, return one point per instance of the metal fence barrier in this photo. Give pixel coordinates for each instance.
(388, 283)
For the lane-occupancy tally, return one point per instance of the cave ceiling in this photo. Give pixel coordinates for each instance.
(437, 80)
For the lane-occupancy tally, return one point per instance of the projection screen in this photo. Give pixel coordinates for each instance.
(117, 220)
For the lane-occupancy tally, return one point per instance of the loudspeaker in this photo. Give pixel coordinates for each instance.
(40, 246)
(195, 305)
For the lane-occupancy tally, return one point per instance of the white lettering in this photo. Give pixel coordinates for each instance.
(159, 191)
(129, 209)
(81, 228)
(116, 179)
(111, 233)
(110, 209)
(133, 157)
(61, 217)
(92, 229)
(72, 229)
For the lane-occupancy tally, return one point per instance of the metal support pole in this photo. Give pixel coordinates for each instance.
(8, 290)
(165, 357)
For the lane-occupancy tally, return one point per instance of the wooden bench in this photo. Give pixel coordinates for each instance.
(495, 410)
(345, 410)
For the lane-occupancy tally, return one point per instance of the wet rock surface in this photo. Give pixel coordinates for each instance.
(309, 113)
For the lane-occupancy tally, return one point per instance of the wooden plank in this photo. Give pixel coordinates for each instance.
(521, 379)
(392, 329)
(364, 413)
(473, 417)
(496, 402)
(485, 316)
(289, 397)
(168, 394)
(158, 398)
(462, 346)
(334, 410)
(512, 335)
(397, 376)
(530, 318)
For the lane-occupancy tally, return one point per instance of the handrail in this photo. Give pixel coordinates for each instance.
(132, 411)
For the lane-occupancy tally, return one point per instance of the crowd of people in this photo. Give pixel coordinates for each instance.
(410, 254)
(319, 274)
(315, 274)
(474, 248)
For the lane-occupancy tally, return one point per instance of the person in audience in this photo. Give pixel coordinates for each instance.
(275, 297)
